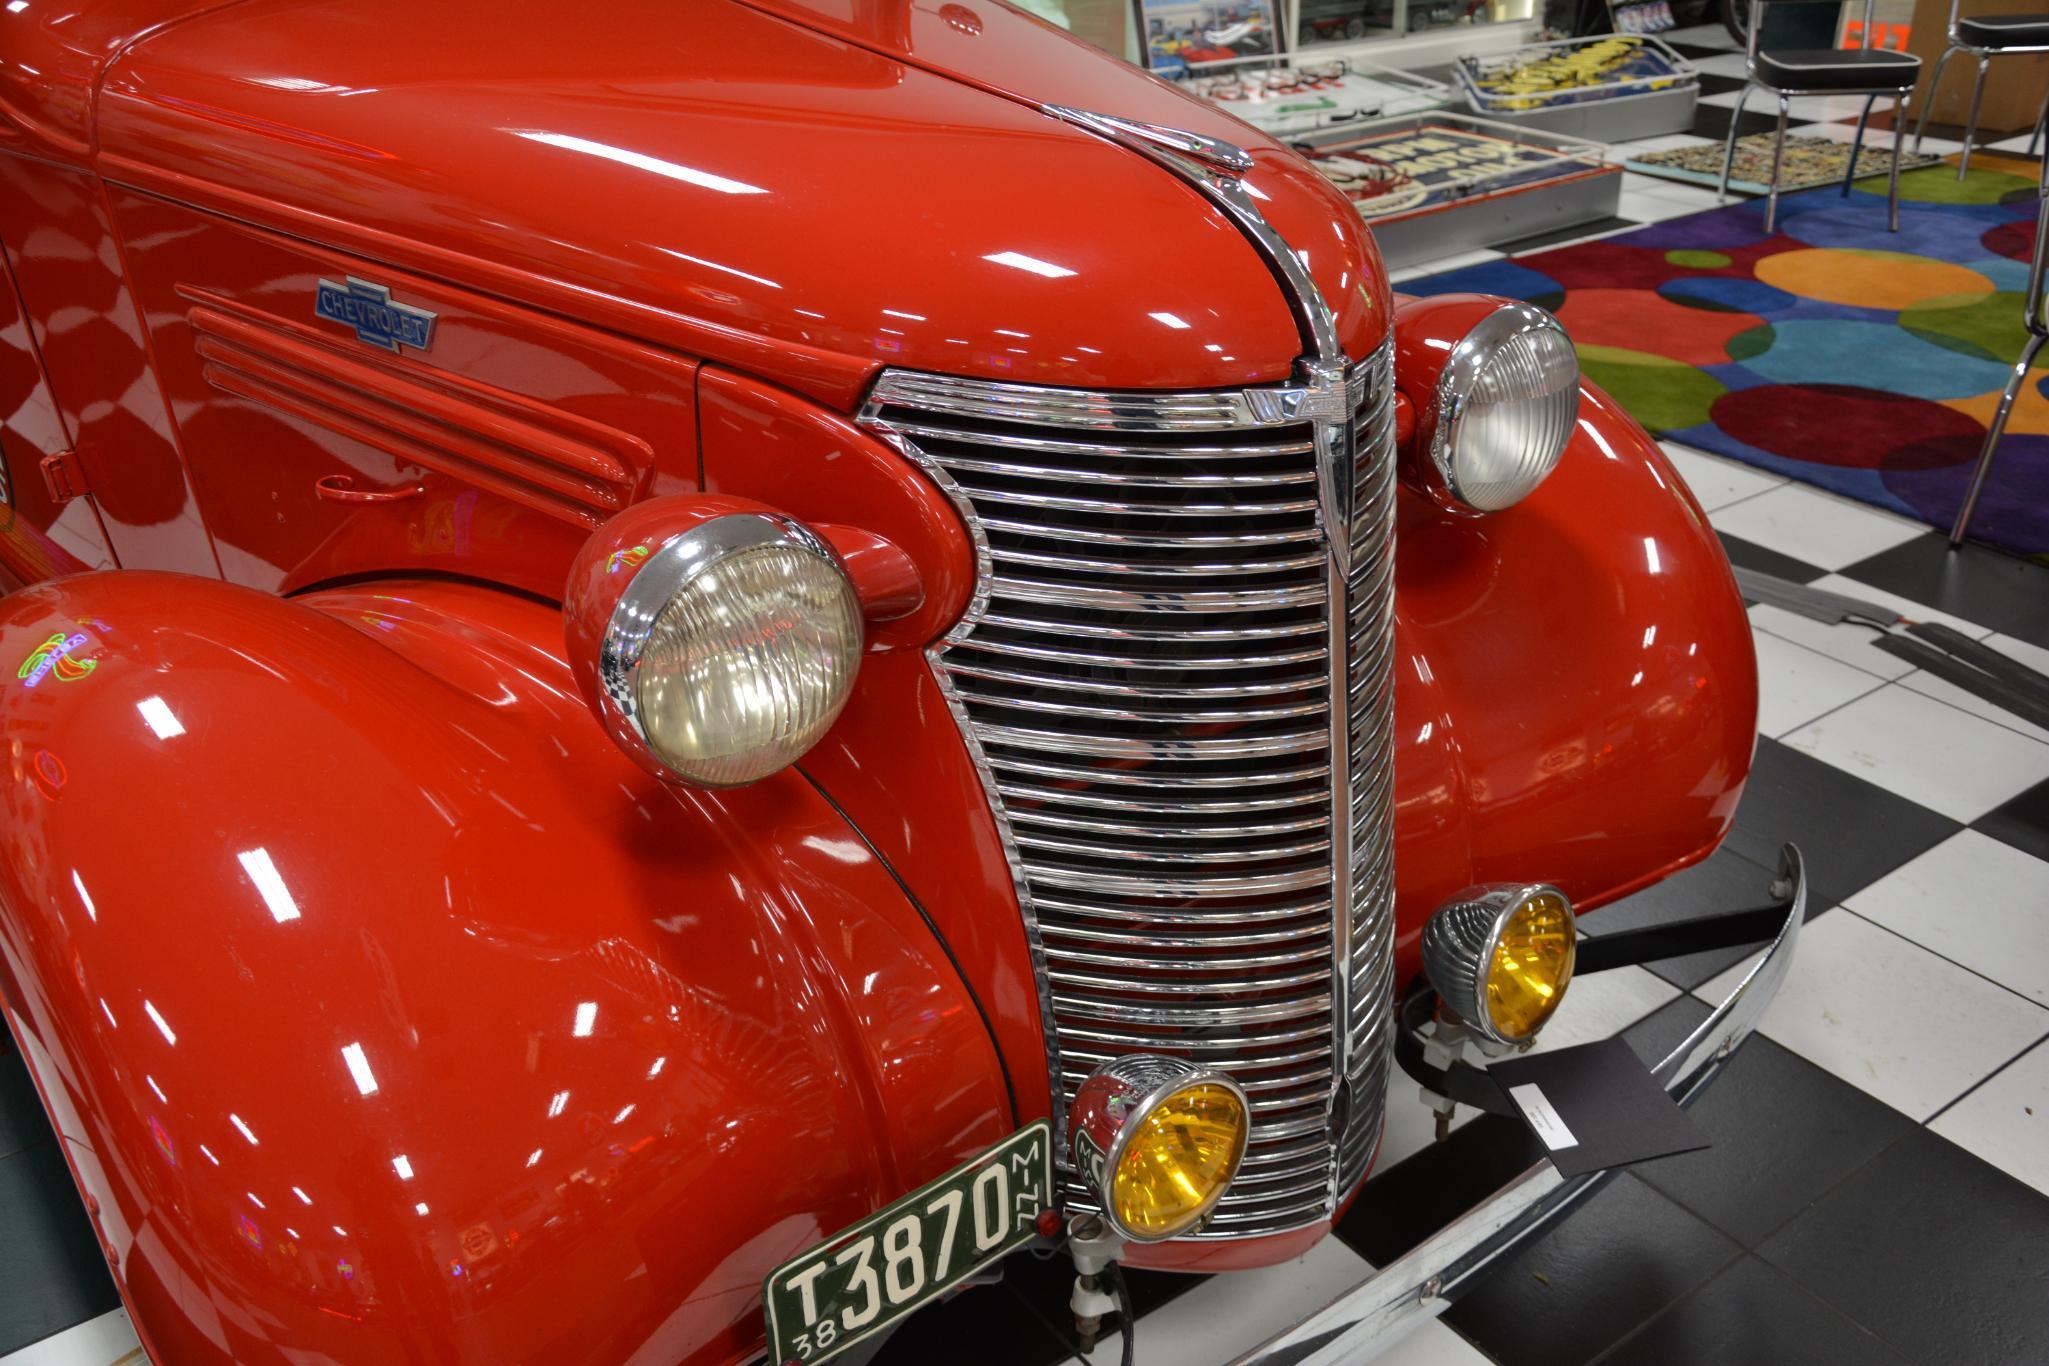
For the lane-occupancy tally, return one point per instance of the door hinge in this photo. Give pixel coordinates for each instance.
(64, 476)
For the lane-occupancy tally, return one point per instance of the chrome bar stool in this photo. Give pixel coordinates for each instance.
(2038, 332)
(1994, 35)
(1865, 71)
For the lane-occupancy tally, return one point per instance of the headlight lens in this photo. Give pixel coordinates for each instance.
(734, 648)
(1159, 1140)
(1531, 963)
(1506, 403)
(1501, 956)
(1179, 1160)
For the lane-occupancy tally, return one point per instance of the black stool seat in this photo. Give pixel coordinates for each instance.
(1850, 69)
(2005, 30)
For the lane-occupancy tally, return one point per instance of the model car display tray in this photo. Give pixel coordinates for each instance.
(1605, 89)
(1286, 97)
(1438, 183)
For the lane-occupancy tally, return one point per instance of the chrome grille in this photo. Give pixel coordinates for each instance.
(1145, 676)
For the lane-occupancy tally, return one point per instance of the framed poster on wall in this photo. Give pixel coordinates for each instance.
(1176, 33)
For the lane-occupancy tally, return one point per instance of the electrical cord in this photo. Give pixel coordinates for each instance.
(1123, 1293)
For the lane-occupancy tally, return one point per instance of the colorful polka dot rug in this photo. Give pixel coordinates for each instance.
(1830, 351)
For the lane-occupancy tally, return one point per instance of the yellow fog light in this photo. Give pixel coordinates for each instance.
(1501, 957)
(1158, 1140)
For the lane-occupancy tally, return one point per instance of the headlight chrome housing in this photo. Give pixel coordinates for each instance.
(730, 651)
(1501, 957)
(1507, 399)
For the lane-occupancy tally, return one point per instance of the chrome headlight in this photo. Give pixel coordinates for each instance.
(1507, 399)
(1501, 957)
(731, 650)
(1159, 1141)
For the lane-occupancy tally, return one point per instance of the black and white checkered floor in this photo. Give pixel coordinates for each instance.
(1878, 1188)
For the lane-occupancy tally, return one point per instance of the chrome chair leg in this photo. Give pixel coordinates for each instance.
(1934, 81)
(1971, 124)
(2035, 137)
(1729, 152)
(1899, 135)
(1992, 435)
(1857, 142)
(1771, 202)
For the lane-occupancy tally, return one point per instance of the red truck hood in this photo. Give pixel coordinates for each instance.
(807, 197)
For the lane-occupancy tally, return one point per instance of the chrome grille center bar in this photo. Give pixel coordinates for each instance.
(1179, 709)
(1175, 677)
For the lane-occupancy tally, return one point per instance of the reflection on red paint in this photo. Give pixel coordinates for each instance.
(246, 1228)
(162, 1137)
(49, 774)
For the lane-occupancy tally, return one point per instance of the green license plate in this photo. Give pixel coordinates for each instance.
(865, 1278)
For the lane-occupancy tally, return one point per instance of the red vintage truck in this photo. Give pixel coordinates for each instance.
(686, 671)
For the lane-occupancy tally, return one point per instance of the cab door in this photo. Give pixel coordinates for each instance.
(41, 536)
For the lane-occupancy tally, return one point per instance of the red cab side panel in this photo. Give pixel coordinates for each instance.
(388, 1013)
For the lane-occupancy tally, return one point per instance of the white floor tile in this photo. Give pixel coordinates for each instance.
(1853, 644)
(108, 1340)
(1926, 751)
(1690, 198)
(2034, 656)
(1649, 208)
(1410, 1126)
(1889, 1017)
(1432, 1344)
(2017, 145)
(1796, 685)
(1881, 138)
(1717, 482)
(1702, 35)
(1724, 64)
(1601, 1005)
(1229, 1315)
(1846, 644)
(1814, 526)
(1443, 263)
(2006, 1121)
(1977, 902)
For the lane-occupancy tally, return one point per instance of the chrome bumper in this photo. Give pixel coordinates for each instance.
(1422, 1283)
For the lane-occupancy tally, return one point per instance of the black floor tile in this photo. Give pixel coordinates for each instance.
(1655, 1036)
(1852, 832)
(1940, 1254)
(1750, 1313)
(2022, 822)
(1724, 881)
(1026, 1318)
(2033, 627)
(1582, 1285)
(1712, 84)
(1567, 234)
(1784, 1132)
(50, 1265)
(22, 1121)
(1408, 1202)
(1007, 1327)
(1694, 52)
(1974, 583)
(1712, 121)
(1753, 556)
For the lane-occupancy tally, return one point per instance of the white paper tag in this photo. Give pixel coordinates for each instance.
(1548, 1123)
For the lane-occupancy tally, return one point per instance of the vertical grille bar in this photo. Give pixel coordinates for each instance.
(1146, 679)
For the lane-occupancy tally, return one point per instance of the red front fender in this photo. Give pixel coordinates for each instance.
(388, 1013)
(1576, 689)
